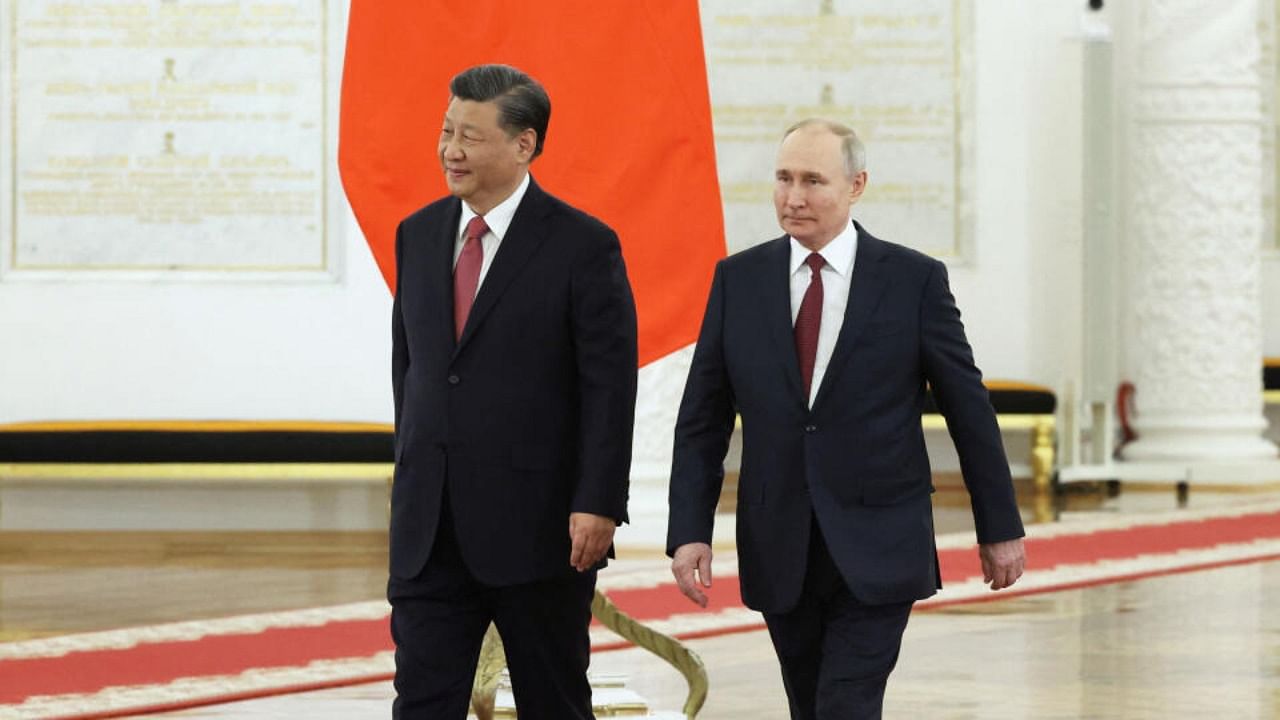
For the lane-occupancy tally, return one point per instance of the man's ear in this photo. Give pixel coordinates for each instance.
(859, 185)
(527, 141)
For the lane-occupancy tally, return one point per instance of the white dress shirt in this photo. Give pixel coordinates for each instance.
(498, 219)
(836, 277)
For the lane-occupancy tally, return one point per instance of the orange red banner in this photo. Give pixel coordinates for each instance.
(630, 139)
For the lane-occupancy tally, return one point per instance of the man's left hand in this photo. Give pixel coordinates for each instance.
(1002, 562)
(591, 535)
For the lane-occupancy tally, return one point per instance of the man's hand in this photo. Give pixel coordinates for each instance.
(591, 535)
(1002, 563)
(688, 559)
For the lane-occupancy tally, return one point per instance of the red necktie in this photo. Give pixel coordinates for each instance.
(808, 320)
(466, 274)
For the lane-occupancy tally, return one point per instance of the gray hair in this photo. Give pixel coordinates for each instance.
(855, 154)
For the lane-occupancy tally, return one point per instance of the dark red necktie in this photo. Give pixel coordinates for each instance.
(466, 274)
(808, 321)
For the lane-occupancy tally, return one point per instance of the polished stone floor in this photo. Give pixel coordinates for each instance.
(1195, 645)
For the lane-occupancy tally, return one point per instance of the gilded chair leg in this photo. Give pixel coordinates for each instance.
(1042, 454)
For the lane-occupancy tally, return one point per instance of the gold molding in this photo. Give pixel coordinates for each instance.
(198, 426)
(1225, 488)
(198, 472)
(1007, 421)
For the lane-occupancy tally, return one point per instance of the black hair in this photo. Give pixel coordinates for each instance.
(522, 102)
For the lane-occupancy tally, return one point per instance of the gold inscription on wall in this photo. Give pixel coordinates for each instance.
(889, 69)
(169, 134)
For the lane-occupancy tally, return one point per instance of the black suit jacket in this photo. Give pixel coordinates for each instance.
(856, 461)
(528, 417)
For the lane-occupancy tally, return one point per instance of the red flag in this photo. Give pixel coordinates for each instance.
(629, 142)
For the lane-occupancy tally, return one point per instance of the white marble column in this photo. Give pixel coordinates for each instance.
(1195, 227)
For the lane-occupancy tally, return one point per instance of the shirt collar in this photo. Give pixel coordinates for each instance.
(838, 253)
(499, 218)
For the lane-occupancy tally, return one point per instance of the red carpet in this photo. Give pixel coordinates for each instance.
(115, 673)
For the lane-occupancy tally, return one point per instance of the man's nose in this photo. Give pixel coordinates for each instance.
(451, 149)
(795, 196)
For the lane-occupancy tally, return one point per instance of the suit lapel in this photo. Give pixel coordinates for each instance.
(776, 285)
(440, 262)
(523, 238)
(866, 286)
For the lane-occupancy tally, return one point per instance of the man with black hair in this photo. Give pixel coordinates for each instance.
(514, 376)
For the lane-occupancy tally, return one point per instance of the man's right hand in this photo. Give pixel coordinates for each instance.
(688, 560)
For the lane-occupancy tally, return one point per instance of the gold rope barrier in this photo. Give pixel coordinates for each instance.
(493, 659)
(664, 646)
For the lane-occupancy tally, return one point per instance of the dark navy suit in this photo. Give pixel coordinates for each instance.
(855, 463)
(499, 437)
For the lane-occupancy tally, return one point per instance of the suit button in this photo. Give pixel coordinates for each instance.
(454, 379)
(810, 428)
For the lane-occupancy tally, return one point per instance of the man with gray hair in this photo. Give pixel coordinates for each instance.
(823, 341)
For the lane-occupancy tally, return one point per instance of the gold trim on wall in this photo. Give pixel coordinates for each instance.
(198, 472)
(198, 426)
